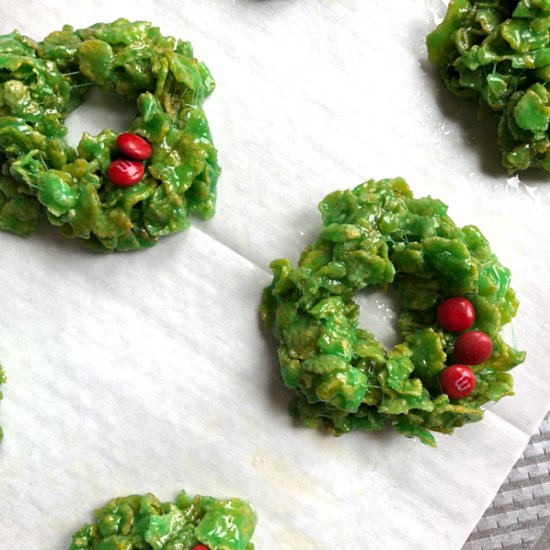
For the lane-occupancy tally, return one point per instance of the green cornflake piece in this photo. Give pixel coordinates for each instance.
(145, 523)
(227, 525)
(343, 379)
(343, 389)
(41, 176)
(498, 52)
(531, 111)
(428, 356)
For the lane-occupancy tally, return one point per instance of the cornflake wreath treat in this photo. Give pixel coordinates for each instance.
(143, 522)
(372, 236)
(498, 51)
(117, 192)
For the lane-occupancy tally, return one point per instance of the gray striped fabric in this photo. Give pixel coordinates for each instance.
(520, 511)
(544, 541)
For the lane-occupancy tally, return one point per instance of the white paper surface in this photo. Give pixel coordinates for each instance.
(150, 372)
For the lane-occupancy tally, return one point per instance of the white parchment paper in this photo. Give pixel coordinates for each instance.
(150, 372)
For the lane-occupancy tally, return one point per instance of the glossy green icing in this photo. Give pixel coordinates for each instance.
(374, 236)
(498, 51)
(143, 522)
(41, 175)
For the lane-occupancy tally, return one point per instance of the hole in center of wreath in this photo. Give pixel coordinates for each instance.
(97, 112)
(378, 313)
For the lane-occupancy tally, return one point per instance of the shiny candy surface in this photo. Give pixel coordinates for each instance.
(457, 381)
(473, 348)
(200, 547)
(133, 146)
(456, 314)
(125, 173)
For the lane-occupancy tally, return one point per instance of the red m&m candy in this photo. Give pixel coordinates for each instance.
(125, 173)
(457, 381)
(200, 547)
(473, 348)
(133, 146)
(456, 314)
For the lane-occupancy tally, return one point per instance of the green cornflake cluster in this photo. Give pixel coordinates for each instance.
(2, 381)
(372, 236)
(143, 522)
(41, 175)
(498, 51)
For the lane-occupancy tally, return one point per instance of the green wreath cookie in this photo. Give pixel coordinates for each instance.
(449, 281)
(199, 523)
(498, 51)
(89, 192)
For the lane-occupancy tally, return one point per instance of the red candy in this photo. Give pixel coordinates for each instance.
(473, 348)
(200, 547)
(125, 173)
(456, 314)
(133, 146)
(457, 381)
